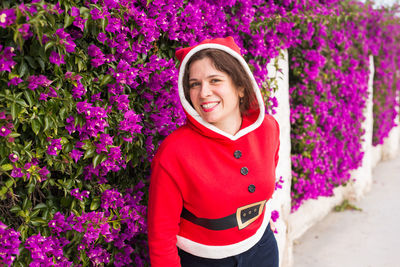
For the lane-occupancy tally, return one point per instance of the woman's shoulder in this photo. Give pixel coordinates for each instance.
(175, 142)
(271, 122)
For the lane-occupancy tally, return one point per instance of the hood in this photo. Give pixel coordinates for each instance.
(229, 46)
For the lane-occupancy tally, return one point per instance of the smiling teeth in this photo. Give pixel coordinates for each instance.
(210, 105)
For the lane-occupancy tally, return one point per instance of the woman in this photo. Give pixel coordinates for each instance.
(213, 178)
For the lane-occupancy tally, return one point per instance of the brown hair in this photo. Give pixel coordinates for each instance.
(226, 63)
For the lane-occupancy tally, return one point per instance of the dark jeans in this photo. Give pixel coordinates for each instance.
(263, 254)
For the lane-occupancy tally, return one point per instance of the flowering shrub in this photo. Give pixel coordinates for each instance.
(87, 92)
(387, 75)
(328, 89)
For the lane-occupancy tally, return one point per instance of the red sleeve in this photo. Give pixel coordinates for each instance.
(164, 210)
(278, 143)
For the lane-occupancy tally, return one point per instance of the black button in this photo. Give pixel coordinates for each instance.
(237, 154)
(244, 170)
(252, 188)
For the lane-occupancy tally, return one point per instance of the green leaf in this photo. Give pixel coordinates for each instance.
(21, 102)
(14, 135)
(23, 68)
(35, 126)
(31, 188)
(96, 160)
(40, 206)
(41, 62)
(95, 203)
(31, 61)
(14, 110)
(89, 153)
(106, 79)
(38, 222)
(27, 204)
(7, 167)
(9, 183)
(15, 209)
(46, 123)
(62, 113)
(3, 191)
(48, 45)
(68, 20)
(28, 96)
(34, 214)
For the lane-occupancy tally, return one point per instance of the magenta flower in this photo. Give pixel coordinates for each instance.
(58, 9)
(76, 194)
(36, 81)
(70, 125)
(66, 40)
(98, 56)
(83, 106)
(9, 244)
(97, 14)
(43, 173)
(43, 97)
(56, 58)
(13, 157)
(274, 215)
(17, 173)
(79, 23)
(15, 81)
(55, 145)
(7, 17)
(47, 251)
(74, 11)
(102, 37)
(78, 91)
(6, 58)
(130, 123)
(4, 131)
(52, 92)
(58, 224)
(76, 155)
(25, 31)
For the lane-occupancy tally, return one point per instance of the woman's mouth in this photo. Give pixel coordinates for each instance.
(210, 106)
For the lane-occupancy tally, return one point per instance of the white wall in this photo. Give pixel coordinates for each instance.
(278, 69)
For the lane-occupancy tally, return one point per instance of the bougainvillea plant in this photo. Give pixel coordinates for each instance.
(87, 92)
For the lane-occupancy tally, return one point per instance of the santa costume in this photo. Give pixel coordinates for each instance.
(210, 191)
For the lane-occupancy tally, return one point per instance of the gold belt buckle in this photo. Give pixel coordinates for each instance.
(247, 214)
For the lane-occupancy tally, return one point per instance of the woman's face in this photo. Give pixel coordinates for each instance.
(214, 96)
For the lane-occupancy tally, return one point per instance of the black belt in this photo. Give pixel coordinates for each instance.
(243, 217)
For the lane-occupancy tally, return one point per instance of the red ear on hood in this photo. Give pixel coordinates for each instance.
(229, 42)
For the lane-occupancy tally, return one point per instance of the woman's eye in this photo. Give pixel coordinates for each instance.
(193, 84)
(215, 80)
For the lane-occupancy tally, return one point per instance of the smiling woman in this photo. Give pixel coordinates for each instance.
(212, 179)
(214, 96)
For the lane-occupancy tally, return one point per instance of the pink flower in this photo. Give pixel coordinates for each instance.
(74, 11)
(13, 157)
(17, 173)
(43, 173)
(56, 58)
(76, 155)
(55, 145)
(4, 131)
(7, 17)
(79, 22)
(15, 81)
(25, 32)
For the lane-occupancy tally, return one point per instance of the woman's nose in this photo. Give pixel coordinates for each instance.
(205, 90)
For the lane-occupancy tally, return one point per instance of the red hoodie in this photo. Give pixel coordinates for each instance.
(213, 175)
